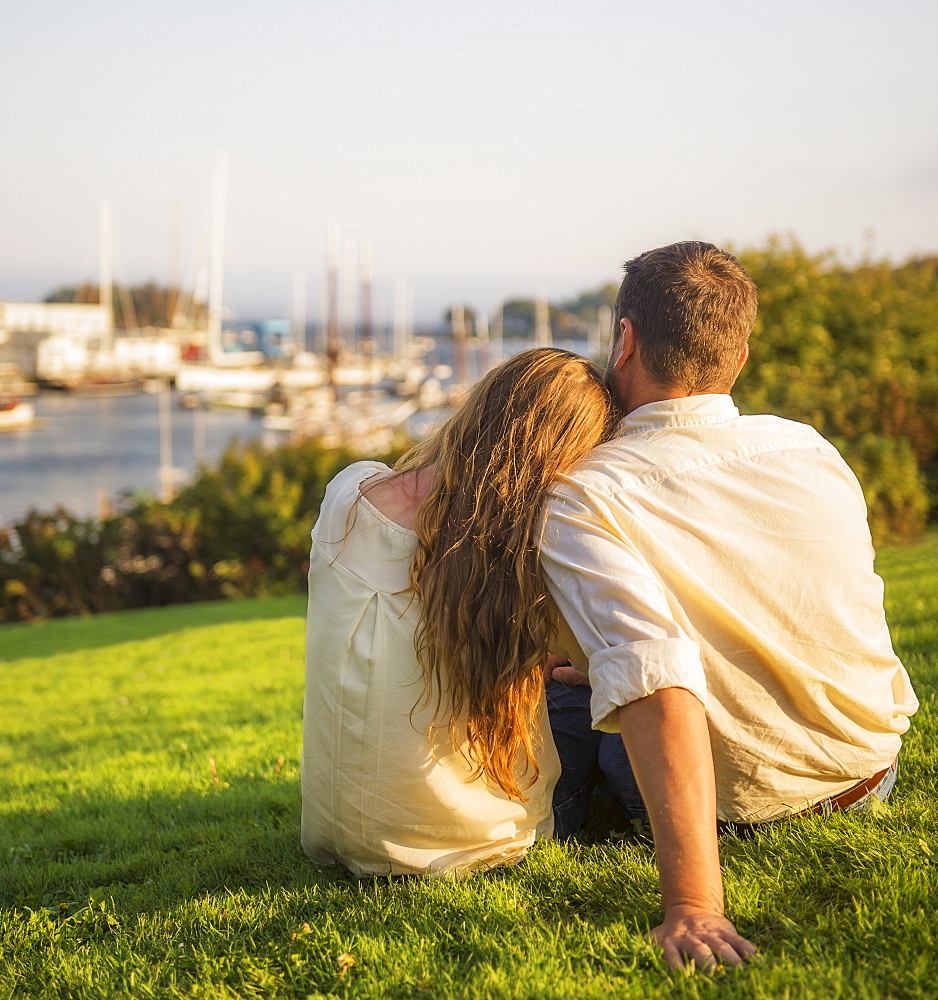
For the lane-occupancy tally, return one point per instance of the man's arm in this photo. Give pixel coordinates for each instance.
(647, 676)
(666, 738)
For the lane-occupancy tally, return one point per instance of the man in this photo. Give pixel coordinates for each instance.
(716, 572)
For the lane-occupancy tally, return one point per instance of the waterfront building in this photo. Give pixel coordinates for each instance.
(24, 326)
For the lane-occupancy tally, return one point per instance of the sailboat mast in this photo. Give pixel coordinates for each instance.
(498, 333)
(106, 270)
(217, 258)
(367, 341)
(299, 314)
(172, 286)
(603, 328)
(458, 334)
(332, 320)
(483, 363)
(365, 309)
(542, 334)
(348, 325)
(398, 335)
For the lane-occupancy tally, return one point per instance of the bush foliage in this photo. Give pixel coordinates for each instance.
(239, 530)
(852, 350)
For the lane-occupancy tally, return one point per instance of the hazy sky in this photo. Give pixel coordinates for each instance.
(482, 149)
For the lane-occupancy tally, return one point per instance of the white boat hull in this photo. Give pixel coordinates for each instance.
(17, 417)
(207, 378)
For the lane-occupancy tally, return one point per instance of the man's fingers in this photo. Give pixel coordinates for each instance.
(569, 675)
(683, 952)
(672, 955)
(701, 939)
(730, 954)
(744, 948)
(706, 951)
(701, 955)
(553, 660)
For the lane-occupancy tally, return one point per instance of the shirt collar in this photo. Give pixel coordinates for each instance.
(687, 411)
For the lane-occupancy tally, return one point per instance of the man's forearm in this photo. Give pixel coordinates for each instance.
(668, 744)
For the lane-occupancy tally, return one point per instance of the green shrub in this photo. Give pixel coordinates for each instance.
(853, 351)
(239, 530)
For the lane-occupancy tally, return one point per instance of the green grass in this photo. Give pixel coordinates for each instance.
(149, 844)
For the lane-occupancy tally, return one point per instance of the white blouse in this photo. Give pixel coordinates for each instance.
(376, 797)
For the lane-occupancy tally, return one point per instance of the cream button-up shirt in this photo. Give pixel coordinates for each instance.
(730, 555)
(377, 797)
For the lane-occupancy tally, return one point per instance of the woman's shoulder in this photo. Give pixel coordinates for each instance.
(342, 493)
(356, 473)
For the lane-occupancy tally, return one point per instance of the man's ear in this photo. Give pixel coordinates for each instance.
(624, 346)
(743, 358)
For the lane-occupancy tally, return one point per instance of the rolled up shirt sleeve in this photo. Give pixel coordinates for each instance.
(615, 607)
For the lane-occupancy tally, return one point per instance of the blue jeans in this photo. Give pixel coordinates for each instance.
(592, 760)
(588, 760)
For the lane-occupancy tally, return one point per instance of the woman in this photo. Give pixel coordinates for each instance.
(426, 747)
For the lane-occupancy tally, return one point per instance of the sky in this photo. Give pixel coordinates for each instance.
(484, 150)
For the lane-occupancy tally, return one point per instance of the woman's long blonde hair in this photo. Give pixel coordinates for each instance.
(484, 624)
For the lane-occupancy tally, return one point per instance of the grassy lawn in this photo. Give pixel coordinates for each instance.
(149, 844)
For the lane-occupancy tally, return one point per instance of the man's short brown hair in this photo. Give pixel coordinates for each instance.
(693, 307)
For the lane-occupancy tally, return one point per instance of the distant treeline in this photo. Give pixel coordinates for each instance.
(852, 350)
(143, 305)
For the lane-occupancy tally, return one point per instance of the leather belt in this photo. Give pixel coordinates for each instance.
(836, 804)
(846, 799)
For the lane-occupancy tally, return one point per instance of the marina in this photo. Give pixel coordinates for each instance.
(126, 408)
(93, 450)
(89, 451)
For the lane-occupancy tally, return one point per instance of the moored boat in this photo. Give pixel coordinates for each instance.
(16, 415)
(15, 412)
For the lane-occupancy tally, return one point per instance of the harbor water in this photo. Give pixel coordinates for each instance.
(92, 449)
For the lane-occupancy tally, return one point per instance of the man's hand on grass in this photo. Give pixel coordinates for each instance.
(692, 934)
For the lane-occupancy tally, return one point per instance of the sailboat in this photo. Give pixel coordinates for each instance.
(234, 374)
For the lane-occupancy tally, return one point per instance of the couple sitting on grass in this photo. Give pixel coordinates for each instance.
(580, 581)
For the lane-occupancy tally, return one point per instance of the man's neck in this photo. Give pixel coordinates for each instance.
(630, 385)
(642, 391)
(653, 397)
